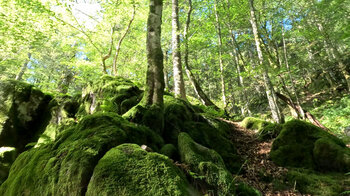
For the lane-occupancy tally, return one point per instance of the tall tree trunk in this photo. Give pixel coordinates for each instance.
(24, 67)
(155, 78)
(301, 112)
(270, 92)
(244, 99)
(179, 85)
(218, 28)
(117, 49)
(197, 89)
(166, 77)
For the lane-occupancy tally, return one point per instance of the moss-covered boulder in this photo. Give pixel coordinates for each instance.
(7, 157)
(301, 144)
(109, 94)
(65, 166)
(270, 131)
(130, 170)
(254, 123)
(206, 163)
(24, 113)
(170, 151)
(181, 116)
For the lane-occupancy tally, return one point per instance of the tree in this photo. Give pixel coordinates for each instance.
(179, 85)
(155, 77)
(270, 92)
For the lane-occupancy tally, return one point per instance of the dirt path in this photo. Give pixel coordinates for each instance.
(258, 171)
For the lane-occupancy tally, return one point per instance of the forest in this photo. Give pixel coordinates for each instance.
(174, 97)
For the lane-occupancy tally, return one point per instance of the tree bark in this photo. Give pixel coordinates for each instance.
(179, 85)
(117, 49)
(197, 89)
(270, 92)
(218, 29)
(155, 78)
(24, 67)
(301, 112)
(307, 114)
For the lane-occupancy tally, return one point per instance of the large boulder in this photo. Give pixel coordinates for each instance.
(130, 170)
(24, 114)
(206, 163)
(109, 94)
(301, 144)
(65, 166)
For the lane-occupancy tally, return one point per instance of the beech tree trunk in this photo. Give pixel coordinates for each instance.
(301, 112)
(218, 28)
(270, 92)
(197, 89)
(179, 85)
(155, 78)
(24, 68)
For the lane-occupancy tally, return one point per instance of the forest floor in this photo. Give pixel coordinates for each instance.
(257, 165)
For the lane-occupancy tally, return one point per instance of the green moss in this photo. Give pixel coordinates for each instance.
(296, 146)
(207, 163)
(7, 157)
(245, 190)
(65, 166)
(314, 183)
(270, 131)
(170, 151)
(254, 123)
(129, 170)
(150, 116)
(213, 134)
(330, 156)
(24, 111)
(110, 94)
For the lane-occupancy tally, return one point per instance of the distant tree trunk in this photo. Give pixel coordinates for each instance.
(239, 75)
(166, 77)
(155, 78)
(24, 67)
(117, 49)
(270, 92)
(301, 112)
(197, 89)
(179, 85)
(307, 114)
(218, 28)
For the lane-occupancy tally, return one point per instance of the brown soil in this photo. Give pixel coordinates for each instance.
(257, 166)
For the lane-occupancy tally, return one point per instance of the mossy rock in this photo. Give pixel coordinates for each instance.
(213, 134)
(170, 151)
(65, 166)
(207, 163)
(270, 131)
(130, 170)
(254, 123)
(150, 116)
(301, 144)
(109, 94)
(243, 189)
(24, 113)
(315, 183)
(7, 157)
